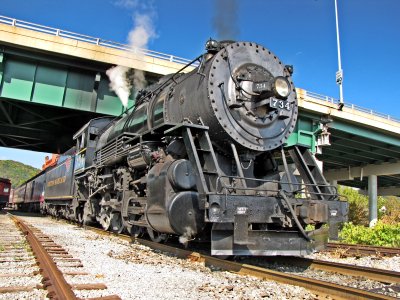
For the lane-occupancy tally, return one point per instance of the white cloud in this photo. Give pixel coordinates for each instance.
(127, 3)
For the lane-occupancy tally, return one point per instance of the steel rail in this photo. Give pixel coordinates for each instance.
(53, 279)
(321, 288)
(364, 249)
(380, 275)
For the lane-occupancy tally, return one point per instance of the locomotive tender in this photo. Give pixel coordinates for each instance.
(201, 156)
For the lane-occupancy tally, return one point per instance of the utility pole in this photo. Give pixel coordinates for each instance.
(339, 73)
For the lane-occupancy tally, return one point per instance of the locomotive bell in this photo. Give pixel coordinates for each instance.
(212, 46)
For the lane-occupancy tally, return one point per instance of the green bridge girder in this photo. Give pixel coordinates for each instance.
(36, 78)
(45, 99)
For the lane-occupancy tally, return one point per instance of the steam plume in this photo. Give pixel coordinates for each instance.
(119, 83)
(225, 19)
(138, 37)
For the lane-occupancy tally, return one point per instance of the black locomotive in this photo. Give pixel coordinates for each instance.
(201, 156)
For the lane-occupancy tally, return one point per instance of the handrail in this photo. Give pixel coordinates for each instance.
(221, 187)
(350, 105)
(91, 40)
(159, 55)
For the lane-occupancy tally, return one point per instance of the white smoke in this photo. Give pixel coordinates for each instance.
(119, 83)
(138, 38)
(187, 236)
(143, 31)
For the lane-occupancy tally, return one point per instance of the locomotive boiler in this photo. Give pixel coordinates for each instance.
(202, 156)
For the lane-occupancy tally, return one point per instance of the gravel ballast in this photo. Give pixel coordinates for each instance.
(135, 271)
(17, 263)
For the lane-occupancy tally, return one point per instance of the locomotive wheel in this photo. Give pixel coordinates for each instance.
(137, 232)
(87, 218)
(105, 219)
(116, 223)
(155, 236)
(79, 215)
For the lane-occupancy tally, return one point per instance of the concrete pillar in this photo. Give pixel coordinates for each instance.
(334, 184)
(320, 164)
(373, 199)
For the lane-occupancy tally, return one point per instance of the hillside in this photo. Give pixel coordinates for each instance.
(17, 172)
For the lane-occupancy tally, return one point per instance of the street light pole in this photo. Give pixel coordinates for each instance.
(339, 73)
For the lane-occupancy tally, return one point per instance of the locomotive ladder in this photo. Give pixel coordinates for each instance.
(203, 156)
(317, 186)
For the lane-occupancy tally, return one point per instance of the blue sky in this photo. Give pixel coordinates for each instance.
(300, 32)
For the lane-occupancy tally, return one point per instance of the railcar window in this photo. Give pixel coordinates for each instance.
(158, 111)
(138, 122)
(83, 140)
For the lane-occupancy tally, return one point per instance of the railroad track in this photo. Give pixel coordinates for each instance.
(362, 250)
(381, 275)
(20, 242)
(321, 288)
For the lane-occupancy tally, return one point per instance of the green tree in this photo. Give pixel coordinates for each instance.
(358, 205)
(17, 172)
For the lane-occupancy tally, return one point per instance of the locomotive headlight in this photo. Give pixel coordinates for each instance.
(281, 87)
(215, 209)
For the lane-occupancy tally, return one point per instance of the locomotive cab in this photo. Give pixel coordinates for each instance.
(86, 142)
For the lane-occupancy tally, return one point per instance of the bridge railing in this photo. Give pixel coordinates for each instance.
(91, 40)
(349, 105)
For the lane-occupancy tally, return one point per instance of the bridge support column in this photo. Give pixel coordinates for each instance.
(373, 199)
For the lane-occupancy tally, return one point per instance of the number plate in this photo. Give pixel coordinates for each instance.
(280, 104)
(260, 87)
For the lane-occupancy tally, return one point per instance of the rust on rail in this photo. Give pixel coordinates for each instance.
(363, 250)
(53, 280)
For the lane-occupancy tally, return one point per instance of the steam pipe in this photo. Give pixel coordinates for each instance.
(296, 220)
(238, 165)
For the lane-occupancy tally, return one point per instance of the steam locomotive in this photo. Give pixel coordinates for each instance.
(202, 156)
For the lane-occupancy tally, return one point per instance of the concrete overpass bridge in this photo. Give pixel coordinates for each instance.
(53, 81)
